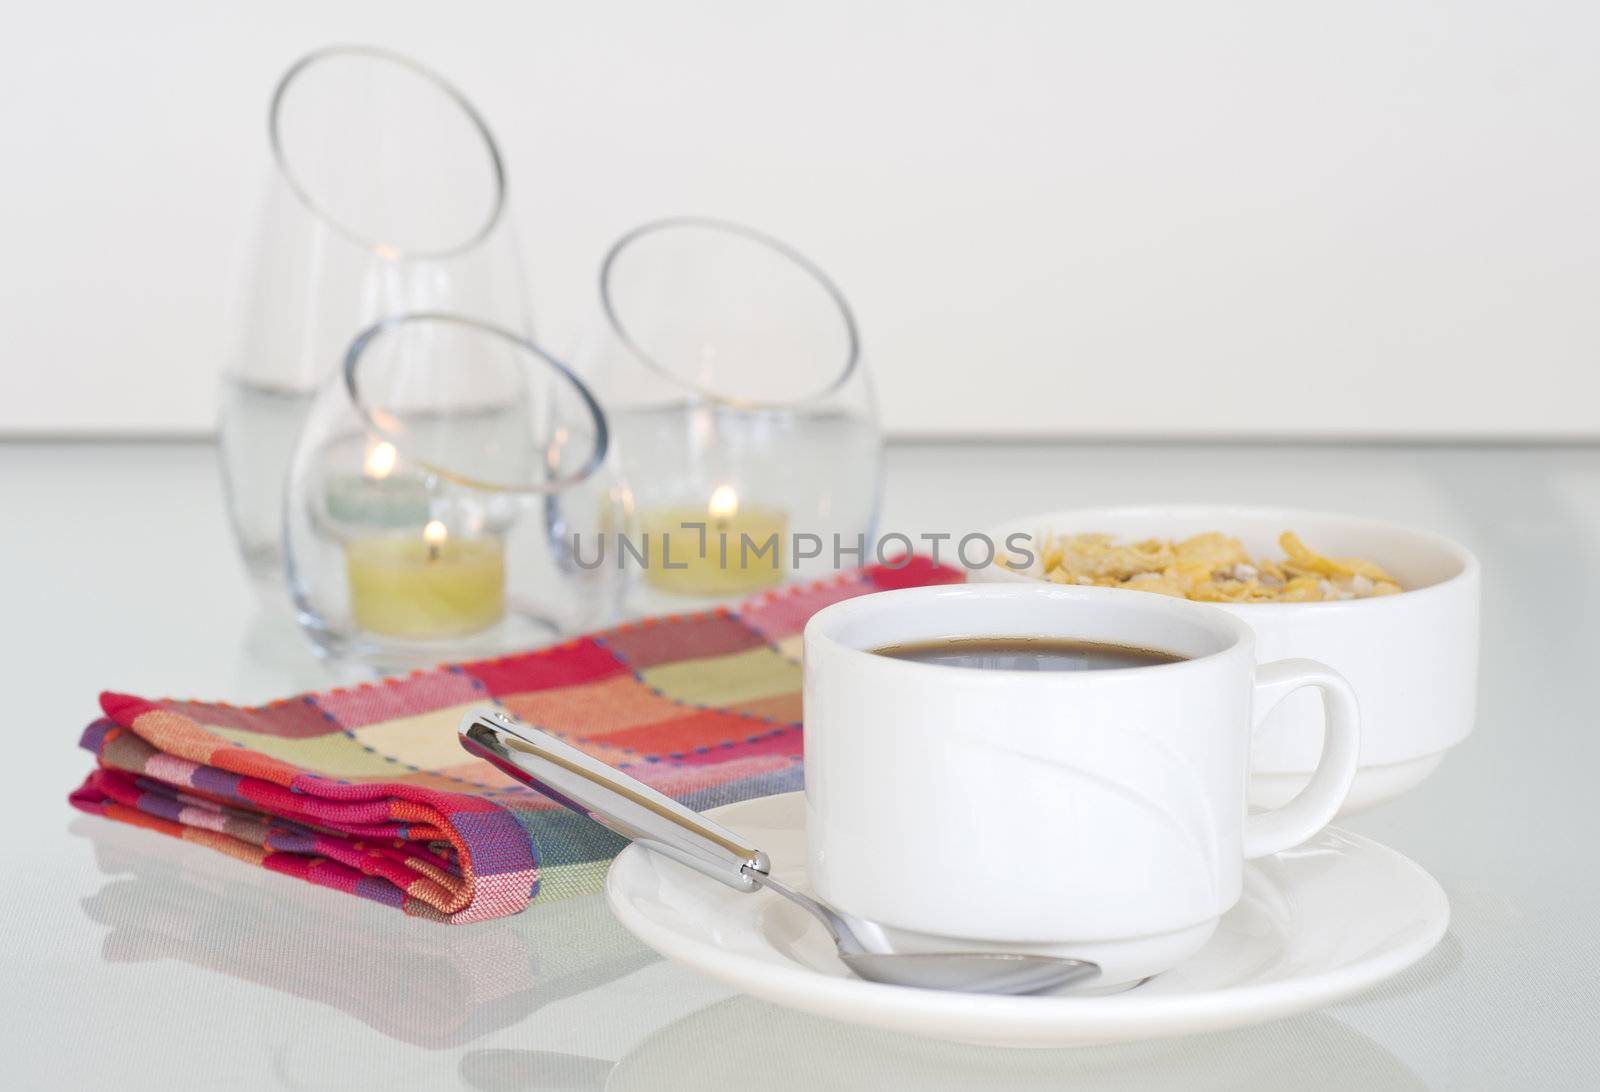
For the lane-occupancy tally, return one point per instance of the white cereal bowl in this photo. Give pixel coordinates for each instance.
(1411, 657)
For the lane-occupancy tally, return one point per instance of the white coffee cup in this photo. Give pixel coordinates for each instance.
(1098, 814)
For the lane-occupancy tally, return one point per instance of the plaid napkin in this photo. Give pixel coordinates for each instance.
(366, 790)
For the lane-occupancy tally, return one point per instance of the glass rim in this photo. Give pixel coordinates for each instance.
(778, 246)
(602, 428)
(379, 247)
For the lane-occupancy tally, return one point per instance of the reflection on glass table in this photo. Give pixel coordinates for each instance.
(741, 1043)
(418, 982)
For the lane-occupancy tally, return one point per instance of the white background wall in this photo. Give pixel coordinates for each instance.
(1230, 217)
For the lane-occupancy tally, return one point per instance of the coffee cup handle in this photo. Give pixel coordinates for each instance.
(1315, 805)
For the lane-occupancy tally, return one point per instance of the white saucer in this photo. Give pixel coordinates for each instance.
(1315, 924)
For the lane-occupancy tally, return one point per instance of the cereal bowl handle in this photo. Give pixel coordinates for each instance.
(1316, 805)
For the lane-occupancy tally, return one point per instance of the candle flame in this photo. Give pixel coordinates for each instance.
(435, 533)
(724, 502)
(380, 460)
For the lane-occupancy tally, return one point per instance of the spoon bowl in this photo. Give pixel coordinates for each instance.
(966, 972)
(970, 972)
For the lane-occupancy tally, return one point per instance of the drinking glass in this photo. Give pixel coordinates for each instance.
(730, 367)
(387, 195)
(434, 494)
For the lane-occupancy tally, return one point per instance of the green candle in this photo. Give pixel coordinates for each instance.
(398, 501)
(378, 497)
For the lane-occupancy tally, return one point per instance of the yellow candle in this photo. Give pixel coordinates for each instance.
(721, 549)
(426, 586)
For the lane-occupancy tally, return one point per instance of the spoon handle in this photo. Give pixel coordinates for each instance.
(610, 797)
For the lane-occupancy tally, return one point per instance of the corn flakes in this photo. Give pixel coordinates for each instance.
(1212, 568)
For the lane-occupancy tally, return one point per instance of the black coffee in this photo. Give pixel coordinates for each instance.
(1026, 654)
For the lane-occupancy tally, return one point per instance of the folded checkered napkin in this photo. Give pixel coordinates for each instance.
(365, 790)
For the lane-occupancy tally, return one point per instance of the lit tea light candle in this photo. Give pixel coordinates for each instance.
(725, 548)
(427, 586)
(378, 497)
